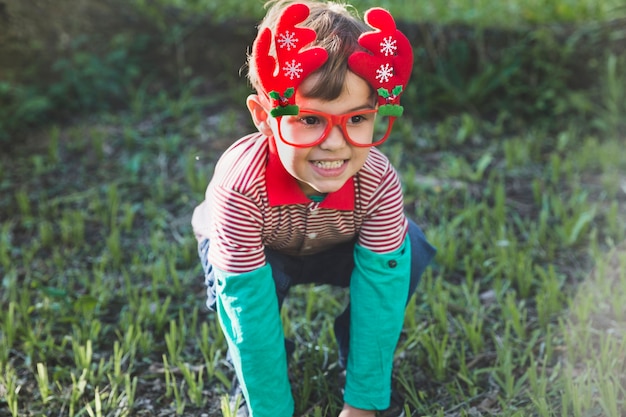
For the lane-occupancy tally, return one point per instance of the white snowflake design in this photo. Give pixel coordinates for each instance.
(287, 40)
(384, 73)
(388, 46)
(293, 69)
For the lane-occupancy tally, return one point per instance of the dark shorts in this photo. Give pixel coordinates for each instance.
(333, 267)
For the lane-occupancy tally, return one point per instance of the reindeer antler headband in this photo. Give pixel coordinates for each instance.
(387, 66)
(294, 63)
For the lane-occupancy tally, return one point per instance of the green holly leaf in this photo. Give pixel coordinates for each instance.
(285, 111)
(383, 92)
(390, 110)
(274, 94)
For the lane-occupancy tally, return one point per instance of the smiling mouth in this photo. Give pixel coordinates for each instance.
(329, 164)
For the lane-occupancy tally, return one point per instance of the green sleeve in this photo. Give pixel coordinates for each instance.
(379, 289)
(248, 313)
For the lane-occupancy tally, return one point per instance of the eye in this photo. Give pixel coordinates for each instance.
(358, 119)
(310, 120)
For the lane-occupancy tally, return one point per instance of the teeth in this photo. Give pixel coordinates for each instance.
(328, 164)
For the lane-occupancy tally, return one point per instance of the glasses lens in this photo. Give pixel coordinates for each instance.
(303, 129)
(309, 128)
(381, 128)
(367, 128)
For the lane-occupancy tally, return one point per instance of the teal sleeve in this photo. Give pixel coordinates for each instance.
(247, 308)
(379, 289)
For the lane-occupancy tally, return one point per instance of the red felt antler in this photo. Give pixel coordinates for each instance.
(281, 75)
(388, 67)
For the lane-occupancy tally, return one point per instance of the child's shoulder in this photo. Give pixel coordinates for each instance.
(243, 160)
(247, 147)
(244, 151)
(377, 165)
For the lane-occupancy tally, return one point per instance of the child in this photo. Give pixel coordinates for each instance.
(307, 199)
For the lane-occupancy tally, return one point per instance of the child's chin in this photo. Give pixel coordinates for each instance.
(322, 186)
(329, 187)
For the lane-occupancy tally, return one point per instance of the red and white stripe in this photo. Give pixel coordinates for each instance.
(237, 218)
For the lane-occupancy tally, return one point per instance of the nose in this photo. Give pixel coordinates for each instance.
(334, 140)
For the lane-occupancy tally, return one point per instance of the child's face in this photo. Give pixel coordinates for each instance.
(326, 167)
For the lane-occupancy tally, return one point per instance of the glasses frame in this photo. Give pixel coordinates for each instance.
(341, 121)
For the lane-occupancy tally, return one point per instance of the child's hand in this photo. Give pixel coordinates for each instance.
(349, 411)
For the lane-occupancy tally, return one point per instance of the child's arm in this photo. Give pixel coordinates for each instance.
(246, 301)
(379, 289)
(247, 309)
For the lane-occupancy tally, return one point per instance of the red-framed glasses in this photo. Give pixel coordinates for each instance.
(363, 128)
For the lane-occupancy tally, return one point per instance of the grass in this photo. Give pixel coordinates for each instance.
(486, 13)
(474, 12)
(521, 314)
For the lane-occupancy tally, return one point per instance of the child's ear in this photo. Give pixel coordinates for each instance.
(260, 115)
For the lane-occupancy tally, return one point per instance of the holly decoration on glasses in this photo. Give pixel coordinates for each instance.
(280, 75)
(388, 63)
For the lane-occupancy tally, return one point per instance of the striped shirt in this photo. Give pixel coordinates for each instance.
(253, 203)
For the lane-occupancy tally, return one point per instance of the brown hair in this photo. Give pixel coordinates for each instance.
(338, 28)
